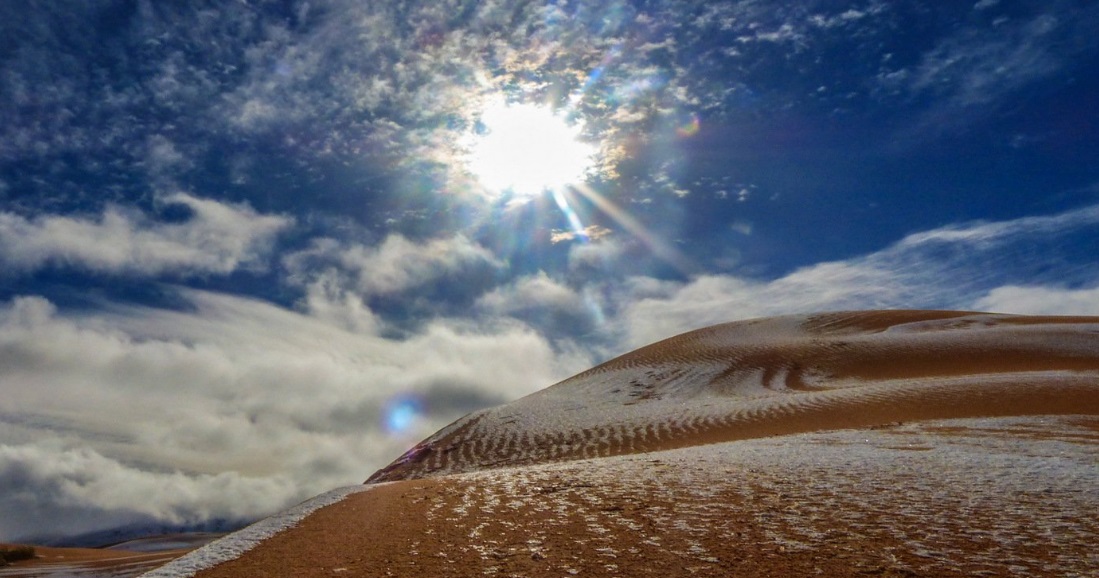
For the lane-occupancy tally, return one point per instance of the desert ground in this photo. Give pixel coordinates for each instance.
(89, 562)
(893, 443)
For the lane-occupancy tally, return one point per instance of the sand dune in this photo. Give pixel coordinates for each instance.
(780, 376)
(895, 443)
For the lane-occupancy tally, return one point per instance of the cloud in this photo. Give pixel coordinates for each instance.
(217, 238)
(236, 407)
(974, 68)
(589, 233)
(179, 92)
(601, 256)
(91, 493)
(1040, 300)
(395, 266)
(551, 306)
(967, 266)
(844, 18)
(967, 75)
(232, 409)
(986, 234)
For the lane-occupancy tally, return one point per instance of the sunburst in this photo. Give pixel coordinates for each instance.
(527, 149)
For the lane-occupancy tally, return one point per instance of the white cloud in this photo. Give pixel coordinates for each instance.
(241, 407)
(163, 156)
(240, 404)
(974, 69)
(620, 256)
(598, 256)
(394, 266)
(985, 234)
(232, 408)
(218, 238)
(91, 492)
(1040, 300)
(530, 292)
(556, 309)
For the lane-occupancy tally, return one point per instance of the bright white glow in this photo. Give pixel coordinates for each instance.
(527, 149)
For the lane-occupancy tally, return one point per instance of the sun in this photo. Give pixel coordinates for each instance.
(527, 149)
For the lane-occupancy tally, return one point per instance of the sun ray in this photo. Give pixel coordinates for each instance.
(659, 248)
(570, 215)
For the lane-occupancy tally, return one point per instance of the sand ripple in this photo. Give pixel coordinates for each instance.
(781, 376)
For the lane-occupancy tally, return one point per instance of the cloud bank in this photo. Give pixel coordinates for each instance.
(217, 238)
(232, 410)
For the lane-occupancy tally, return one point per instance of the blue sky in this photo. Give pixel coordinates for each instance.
(246, 257)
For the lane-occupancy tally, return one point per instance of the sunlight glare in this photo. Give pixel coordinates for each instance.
(527, 149)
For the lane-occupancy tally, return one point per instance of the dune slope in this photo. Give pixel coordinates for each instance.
(894, 443)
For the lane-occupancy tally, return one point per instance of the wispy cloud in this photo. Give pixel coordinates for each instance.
(217, 238)
(970, 73)
(976, 67)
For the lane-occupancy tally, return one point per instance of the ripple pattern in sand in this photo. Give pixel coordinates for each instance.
(782, 376)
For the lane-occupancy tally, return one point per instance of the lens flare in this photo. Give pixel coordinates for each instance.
(659, 248)
(577, 227)
(690, 128)
(401, 414)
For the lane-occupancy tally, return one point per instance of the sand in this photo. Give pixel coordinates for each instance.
(90, 562)
(909, 443)
(780, 376)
